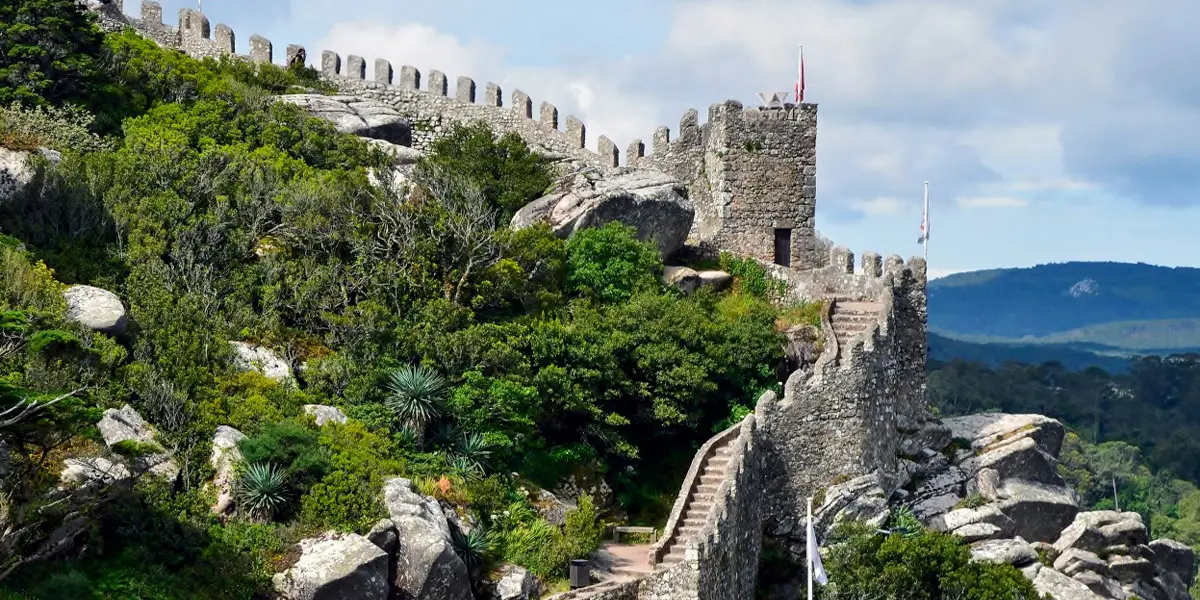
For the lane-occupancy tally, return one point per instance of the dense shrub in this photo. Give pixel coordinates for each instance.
(609, 264)
(926, 565)
(49, 51)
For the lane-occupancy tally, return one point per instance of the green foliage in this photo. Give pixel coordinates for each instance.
(26, 284)
(413, 394)
(261, 490)
(752, 278)
(218, 214)
(503, 167)
(296, 449)
(136, 448)
(472, 547)
(348, 497)
(49, 51)
(973, 500)
(66, 128)
(926, 566)
(609, 264)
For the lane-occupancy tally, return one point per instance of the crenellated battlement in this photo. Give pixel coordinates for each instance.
(434, 101)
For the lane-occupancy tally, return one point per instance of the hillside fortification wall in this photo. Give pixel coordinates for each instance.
(750, 172)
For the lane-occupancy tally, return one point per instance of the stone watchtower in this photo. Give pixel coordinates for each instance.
(751, 174)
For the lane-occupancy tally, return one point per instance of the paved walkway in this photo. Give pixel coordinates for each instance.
(625, 562)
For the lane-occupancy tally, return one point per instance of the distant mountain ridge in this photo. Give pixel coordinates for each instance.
(1079, 313)
(1054, 299)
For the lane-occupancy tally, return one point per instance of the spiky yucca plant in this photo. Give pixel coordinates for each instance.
(472, 453)
(413, 396)
(261, 490)
(472, 547)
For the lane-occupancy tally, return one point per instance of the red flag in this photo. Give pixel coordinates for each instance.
(800, 81)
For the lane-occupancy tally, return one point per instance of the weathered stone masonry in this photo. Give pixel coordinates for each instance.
(751, 173)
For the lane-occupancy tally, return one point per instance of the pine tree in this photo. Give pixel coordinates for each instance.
(49, 51)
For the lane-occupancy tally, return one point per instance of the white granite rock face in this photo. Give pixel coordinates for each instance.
(224, 459)
(249, 357)
(336, 565)
(96, 309)
(325, 414)
(655, 204)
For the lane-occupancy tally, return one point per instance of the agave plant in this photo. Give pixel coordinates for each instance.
(413, 395)
(445, 435)
(261, 490)
(472, 452)
(472, 547)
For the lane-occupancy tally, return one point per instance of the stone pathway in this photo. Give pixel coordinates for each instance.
(626, 562)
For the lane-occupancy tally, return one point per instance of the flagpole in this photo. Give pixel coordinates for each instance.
(810, 545)
(926, 225)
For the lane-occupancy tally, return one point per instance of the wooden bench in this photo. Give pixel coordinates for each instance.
(617, 531)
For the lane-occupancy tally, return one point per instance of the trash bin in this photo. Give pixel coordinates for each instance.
(580, 576)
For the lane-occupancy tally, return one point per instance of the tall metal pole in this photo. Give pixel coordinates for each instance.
(1116, 501)
(926, 224)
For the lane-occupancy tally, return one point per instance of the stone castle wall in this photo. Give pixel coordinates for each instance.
(846, 416)
(749, 171)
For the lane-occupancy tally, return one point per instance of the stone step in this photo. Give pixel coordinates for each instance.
(853, 317)
(697, 508)
(694, 520)
(703, 497)
(857, 306)
(689, 531)
(710, 488)
(713, 479)
(719, 460)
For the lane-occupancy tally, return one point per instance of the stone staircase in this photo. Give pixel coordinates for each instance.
(699, 503)
(851, 318)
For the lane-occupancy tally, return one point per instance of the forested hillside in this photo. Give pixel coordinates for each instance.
(1135, 306)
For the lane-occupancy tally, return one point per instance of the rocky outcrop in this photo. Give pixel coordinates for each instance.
(97, 309)
(82, 472)
(325, 414)
(1004, 466)
(1106, 554)
(516, 583)
(688, 280)
(126, 425)
(426, 566)
(335, 566)
(249, 357)
(224, 459)
(349, 114)
(16, 171)
(652, 202)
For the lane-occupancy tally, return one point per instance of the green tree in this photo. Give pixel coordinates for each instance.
(928, 565)
(49, 51)
(503, 167)
(609, 264)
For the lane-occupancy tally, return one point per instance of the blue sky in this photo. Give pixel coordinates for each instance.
(1050, 131)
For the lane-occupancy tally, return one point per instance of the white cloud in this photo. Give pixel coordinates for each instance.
(880, 206)
(968, 95)
(414, 44)
(932, 273)
(991, 202)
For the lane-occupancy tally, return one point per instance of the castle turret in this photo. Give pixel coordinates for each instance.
(752, 175)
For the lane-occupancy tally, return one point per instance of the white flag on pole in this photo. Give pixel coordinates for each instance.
(815, 567)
